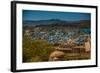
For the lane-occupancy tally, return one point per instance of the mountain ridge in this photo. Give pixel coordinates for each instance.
(56, 22)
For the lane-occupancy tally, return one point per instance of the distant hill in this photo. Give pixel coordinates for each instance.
(43, 22)
(57, 22)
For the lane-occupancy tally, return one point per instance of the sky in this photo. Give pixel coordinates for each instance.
(35, 15)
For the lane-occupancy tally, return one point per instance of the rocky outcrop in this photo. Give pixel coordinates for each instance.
(57, 56)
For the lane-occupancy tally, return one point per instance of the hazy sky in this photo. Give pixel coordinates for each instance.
(45, 15)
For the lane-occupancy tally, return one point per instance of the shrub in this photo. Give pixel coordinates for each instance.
(36, 50)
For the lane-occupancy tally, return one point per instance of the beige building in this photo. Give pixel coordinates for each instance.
(87, 44)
